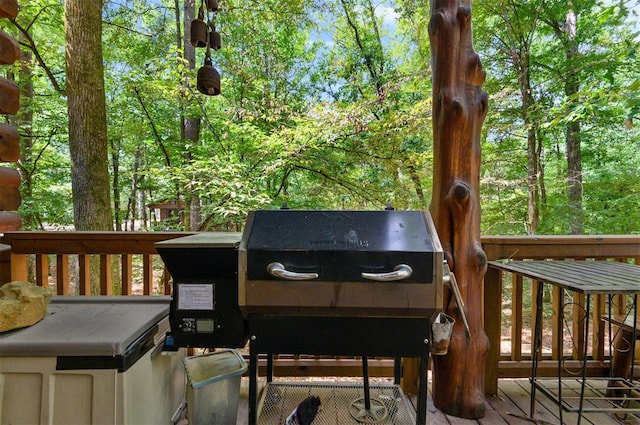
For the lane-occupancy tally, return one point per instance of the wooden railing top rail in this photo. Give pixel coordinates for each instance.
(496, 247)
(89, 242)
(558, 247)
(123, 246)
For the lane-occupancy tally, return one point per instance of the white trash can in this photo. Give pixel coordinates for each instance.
(213, 388)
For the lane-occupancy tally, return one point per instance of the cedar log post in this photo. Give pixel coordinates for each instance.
(459, 109)
(8, 8)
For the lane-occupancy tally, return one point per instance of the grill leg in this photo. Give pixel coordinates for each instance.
(397, 370)
(269, 367)
(253, 385)
(421, 413)
(365, 378)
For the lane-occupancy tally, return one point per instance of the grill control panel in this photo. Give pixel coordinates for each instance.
(195, 325)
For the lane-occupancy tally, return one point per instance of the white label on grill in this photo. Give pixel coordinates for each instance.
(195, 296)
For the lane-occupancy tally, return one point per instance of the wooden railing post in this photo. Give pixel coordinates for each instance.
(127, 273)
(42, 270)
(517, 293)
(556, 327)
(62, 274)
(579, 321)
(5, 263)
(106, 280)
(492, 327)
(19, 267)
(598, 308)
(84, 274)
(147, 271)
(410, 375)
(534, 308)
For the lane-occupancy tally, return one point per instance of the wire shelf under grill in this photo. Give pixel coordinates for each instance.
(279, 399)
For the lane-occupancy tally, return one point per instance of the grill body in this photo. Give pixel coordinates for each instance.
(339, 247)
(357, 283)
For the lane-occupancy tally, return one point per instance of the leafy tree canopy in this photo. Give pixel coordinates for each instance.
(327, 104)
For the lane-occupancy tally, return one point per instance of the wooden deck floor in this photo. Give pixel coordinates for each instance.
(509, 407)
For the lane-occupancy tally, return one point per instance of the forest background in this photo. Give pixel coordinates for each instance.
(326, 104)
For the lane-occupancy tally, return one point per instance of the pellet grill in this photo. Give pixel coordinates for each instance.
(352, 283)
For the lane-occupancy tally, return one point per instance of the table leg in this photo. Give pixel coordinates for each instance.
(536, 347)
(560, 344)
(584, 358)
(634, 337)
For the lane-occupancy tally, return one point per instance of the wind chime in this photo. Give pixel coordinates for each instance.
(204, 34)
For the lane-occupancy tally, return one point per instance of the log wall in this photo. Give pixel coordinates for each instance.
(9, 137)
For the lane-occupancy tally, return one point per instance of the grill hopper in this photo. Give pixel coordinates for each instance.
(204, 304)
(323, 262)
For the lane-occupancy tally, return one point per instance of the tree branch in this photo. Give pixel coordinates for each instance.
(167, 158)
(353, 188)
(32, 46)
(367, 57)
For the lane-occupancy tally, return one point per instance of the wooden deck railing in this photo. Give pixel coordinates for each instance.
(127, 263)
(514, 359)
(113, 254)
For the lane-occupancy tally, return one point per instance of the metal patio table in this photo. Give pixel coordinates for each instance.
(584, 277)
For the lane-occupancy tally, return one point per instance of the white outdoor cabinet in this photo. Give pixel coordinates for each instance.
(92, 360)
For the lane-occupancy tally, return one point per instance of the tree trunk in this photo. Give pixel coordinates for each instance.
(8, 8)
(115, 169)
(522, 63)
(574, 154)
(135, 209)
(87, 116)
(574, 175)
(566, 33)
(459, 109)
(24, 121)
(190, 124)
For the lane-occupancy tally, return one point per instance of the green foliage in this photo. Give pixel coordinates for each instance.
(523, 32)
(327, 104)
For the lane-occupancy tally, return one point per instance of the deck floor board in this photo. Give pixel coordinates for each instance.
(509, 407)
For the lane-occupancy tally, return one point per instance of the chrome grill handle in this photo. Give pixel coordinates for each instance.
(278, 270)
(400, 272)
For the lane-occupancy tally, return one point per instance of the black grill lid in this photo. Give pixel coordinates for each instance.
(399, 231)
(340, 245)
